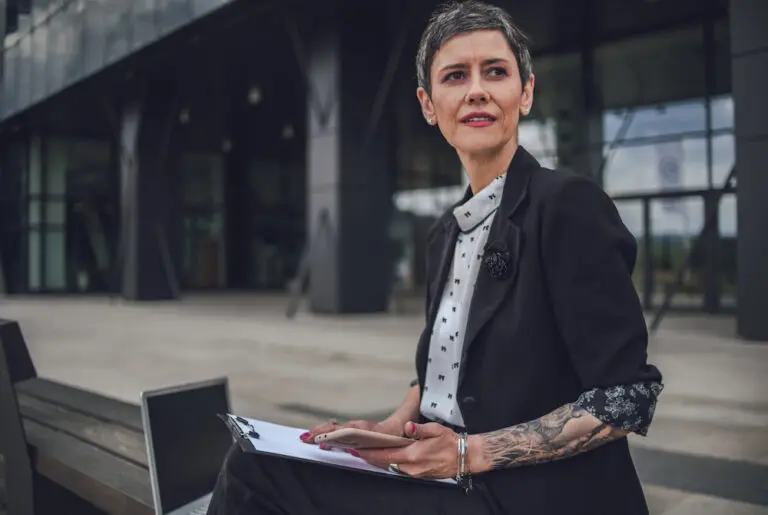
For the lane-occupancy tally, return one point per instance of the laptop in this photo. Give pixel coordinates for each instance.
(186, 444)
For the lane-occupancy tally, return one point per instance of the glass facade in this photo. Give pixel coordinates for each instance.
(658, 135)
(72, 215)
(52, 44)
(204, 238)
(60, 222)
(648, 114)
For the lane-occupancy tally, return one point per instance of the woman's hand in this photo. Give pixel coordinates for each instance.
(386, 427)
(433, 454)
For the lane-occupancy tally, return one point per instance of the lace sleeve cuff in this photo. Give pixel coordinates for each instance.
(629, 407)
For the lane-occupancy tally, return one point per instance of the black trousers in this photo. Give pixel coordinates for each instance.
(256, 484)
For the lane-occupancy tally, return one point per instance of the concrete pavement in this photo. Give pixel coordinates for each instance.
(707, 452)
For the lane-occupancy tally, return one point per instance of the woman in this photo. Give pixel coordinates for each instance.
(532, 364)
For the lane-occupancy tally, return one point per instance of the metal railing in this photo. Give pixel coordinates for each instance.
(709, 221)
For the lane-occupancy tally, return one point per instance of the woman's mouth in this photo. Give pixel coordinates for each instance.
(478, 120)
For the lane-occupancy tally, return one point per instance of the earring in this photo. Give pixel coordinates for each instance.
(526, 111)
(431, 120)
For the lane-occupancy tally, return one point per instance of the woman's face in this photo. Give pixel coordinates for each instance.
(477, 96)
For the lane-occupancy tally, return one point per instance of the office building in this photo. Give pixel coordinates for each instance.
(153, 147)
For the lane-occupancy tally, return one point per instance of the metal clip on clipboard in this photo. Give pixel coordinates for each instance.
(240, 436)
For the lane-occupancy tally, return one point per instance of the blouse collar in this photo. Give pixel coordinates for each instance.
(480, 206)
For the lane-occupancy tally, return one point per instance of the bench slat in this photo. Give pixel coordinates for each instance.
(105, 408)
(112, 438)
(110, 483)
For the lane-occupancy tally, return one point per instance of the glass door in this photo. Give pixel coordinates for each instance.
(675, 225)
(204, 258)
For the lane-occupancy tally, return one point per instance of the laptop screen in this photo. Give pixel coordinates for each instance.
(189, 441)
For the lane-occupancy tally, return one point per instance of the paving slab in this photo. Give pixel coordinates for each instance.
(297, 372)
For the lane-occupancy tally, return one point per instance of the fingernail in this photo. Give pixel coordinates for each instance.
(305, 435)
(325, 447)
(412, 427)
(353, 453)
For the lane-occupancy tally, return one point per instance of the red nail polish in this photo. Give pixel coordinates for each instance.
(304, 436)
(353, 453)
(325, 447)
(413, 427)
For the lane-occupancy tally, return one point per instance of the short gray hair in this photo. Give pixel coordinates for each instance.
(459, 17)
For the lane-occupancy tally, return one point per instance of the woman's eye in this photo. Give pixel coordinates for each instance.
(454, 76)
(497, 72)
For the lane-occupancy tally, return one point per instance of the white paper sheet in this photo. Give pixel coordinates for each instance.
(285, 441)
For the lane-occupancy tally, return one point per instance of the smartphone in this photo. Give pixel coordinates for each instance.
(352, 438)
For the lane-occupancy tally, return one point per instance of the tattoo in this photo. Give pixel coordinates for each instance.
(561, 434)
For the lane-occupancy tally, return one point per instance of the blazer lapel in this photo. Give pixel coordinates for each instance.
(505, 237)
(441, 247)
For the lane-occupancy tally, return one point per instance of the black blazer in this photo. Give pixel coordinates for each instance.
(565, 319)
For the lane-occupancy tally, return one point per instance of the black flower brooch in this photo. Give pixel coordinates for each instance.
(496, 259)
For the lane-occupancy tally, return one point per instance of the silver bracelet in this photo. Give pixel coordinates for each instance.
(463, 478)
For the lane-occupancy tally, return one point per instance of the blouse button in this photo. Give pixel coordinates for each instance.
(468, 403)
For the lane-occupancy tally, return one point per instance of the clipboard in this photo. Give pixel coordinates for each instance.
(240, 434)
(259, 437)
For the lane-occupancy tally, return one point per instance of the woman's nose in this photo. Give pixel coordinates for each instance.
(477, 95)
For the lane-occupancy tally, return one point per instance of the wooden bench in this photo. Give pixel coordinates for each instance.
(66, 450)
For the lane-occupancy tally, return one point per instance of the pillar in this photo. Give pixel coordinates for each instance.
(150, 209)
(349, 197)
(749, 60)
(579, 131)
(579, 114)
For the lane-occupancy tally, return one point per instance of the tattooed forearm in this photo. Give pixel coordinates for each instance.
(565, 432)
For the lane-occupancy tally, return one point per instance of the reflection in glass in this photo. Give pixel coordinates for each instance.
(427, 201)
(25, 69)
(39, 52)
(35, 177)
(200, 7)
(631, 212)
(117, 23)
(34, 255)
(651, 69)
(657, 120)
(55, 260)
(727, 266)
(73, 19)
(56, 173)
(722, 112)
(723, 158)
(675, 223)
(56, 46)
(669, 165)
(94, 34)
(9, 103)
(143, 23)
(35, 212)
(539, 138)
(55, 212)
(80, 216)
(204, 242)
(171, 14)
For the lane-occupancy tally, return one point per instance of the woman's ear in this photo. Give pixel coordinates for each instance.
(427, 108)
(526, 100)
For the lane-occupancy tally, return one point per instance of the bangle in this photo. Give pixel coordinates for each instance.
(463, 475)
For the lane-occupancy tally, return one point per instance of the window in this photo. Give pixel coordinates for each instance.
(653, 69)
